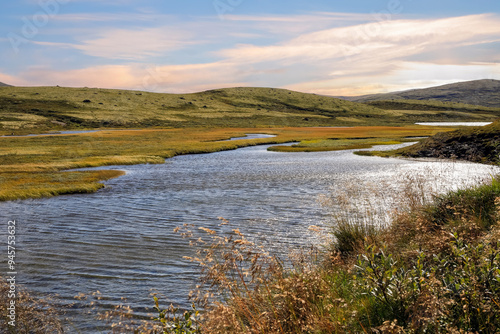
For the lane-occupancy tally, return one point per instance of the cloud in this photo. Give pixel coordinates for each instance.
(135, 44)
(12, 80)
(117, 76)
(408, 75)
(346, 59)
(171, 79)
(292, 25)
(374, 52)
(89, 18)
(307, 18)
(377, 38)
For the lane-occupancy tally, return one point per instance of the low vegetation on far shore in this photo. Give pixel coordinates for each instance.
(33, 167)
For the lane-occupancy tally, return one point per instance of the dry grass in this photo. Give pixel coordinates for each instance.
(433, 270)
(32, 315)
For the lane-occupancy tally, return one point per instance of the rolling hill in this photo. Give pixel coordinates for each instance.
(38, 109)
(478, 92)
(53, 107)
(4, 85)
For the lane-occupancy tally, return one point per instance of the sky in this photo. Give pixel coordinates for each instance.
(328, 47)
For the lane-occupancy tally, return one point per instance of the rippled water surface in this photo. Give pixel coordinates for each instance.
(120, 240)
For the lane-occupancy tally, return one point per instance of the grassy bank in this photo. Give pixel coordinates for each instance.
(322, 145)
(32, 167)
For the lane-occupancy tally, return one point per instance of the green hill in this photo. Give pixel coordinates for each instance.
(46, 108)
(37, 109)
(478, 92)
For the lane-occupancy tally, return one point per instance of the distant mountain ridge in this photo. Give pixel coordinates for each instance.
(477, 92)
(4, 85)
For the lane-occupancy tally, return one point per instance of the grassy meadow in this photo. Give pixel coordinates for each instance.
(48, 108)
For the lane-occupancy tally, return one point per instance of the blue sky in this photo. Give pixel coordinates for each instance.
(319, 46)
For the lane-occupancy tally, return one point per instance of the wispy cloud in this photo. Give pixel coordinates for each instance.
(111, 18)
(326, 53)
(135, 44)
(389, 39)
(129, 44)
(407, 76)
(371, 50)
(170, 78)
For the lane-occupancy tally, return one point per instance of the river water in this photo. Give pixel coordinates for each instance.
(120, 240)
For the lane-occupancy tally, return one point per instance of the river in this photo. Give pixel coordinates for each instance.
(120, 240)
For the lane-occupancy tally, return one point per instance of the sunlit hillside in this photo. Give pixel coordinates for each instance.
(37, 109)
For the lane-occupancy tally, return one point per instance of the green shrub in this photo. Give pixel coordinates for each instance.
(171, 323)
(468, 205)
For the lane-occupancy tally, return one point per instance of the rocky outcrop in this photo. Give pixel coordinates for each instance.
(478, 144)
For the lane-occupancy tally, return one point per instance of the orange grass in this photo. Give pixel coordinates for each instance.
(30, 166)
(48, 184)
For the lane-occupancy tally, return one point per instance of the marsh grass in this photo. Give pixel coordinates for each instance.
(337, 144)
(47, 184)
(360, 209)
(30, 167)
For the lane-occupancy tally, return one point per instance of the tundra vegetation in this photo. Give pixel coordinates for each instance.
(431, 267)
